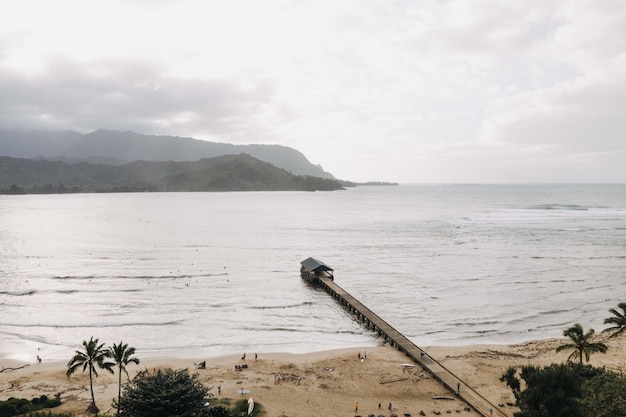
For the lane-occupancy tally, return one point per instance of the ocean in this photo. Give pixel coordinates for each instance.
(206, 274)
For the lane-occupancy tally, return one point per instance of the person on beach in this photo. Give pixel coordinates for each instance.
(219, 390)
(356, 406)
(243, 358)
(255, 356)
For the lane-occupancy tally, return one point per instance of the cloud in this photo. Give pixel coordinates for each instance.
(130, 95)
(582, 115)
(453, 91)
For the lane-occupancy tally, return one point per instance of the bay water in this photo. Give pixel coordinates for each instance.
(206, 274)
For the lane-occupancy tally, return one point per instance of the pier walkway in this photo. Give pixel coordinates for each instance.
(476, 401)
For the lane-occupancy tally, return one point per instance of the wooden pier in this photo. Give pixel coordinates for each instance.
(394, 338)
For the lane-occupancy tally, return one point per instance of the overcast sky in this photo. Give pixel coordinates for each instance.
(423, 91)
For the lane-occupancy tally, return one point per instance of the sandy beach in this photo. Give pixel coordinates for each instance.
(328, 383)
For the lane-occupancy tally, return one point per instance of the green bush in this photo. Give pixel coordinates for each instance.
(219, 411)
(570, 390)
(7, 409)
(22, 406)
(166, 393)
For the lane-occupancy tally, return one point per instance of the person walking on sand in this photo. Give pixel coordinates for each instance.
(389, 407)
(356, 406)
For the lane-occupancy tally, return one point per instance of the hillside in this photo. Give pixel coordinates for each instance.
(224, 173)
(110, 147)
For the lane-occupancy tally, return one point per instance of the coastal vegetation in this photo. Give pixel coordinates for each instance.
(94, 355)
(581, 343)
(22, 406)
(122, 355)
(572, 389)
(164, 393)
(161, 392)
(618, 321)
(224, 173)
(568, 389)
(173, 393)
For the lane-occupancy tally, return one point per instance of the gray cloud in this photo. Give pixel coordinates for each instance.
(586, 115)
(127, 96)
(474, 90)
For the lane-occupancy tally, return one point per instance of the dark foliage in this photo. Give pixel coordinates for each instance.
(224, 173)
(219, 411)
(581, 343)
(122, 355)
(617, 321)
(603, 395)
(567, 390)
(553, 391)
(165, 393)
(19, 406)
(241, 409)
(512, 382)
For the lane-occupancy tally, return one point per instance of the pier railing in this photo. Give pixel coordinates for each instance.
(394, 338)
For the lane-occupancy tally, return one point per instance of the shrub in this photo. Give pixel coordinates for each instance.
(7, 409)
(166, 393)
(21, 406)
(567, 390)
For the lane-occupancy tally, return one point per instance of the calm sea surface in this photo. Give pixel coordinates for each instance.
(205, 274)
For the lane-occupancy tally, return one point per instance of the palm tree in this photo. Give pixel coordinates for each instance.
(93, 355)
(618, 321)
(581, 343)
(122, 355)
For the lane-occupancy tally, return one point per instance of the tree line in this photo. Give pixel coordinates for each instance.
(224, 173)
(572, 389)
(160, 393)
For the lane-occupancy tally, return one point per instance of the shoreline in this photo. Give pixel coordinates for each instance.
(55, 353)
(327, 382)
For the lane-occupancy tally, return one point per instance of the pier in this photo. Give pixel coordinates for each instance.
(395, 339)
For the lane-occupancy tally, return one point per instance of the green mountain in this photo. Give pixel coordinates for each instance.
(223, 173)
(110, 147)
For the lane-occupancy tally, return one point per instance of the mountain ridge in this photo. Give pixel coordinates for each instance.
(113, 147)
